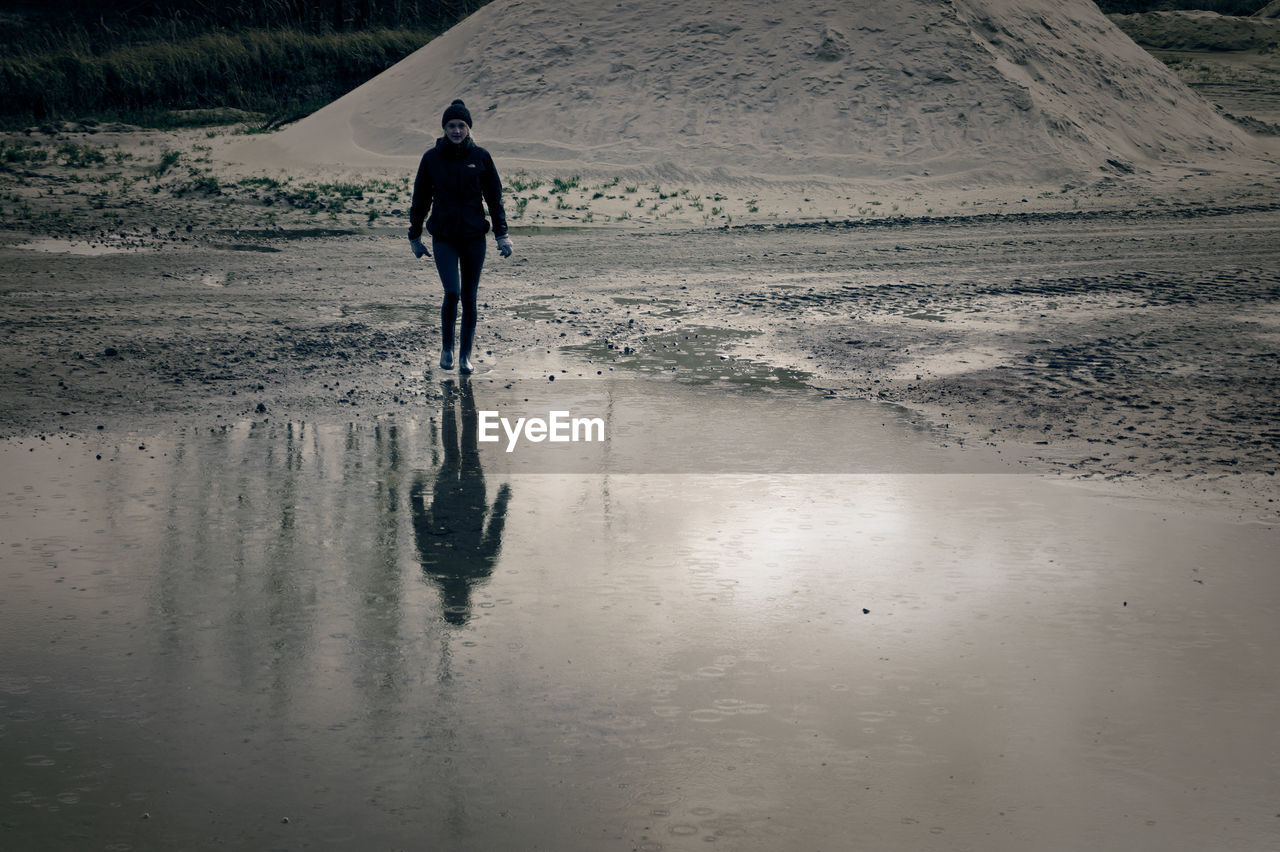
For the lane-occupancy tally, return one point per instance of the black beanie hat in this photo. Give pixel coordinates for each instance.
(457, 109)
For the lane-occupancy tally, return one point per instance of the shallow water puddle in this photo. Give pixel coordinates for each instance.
(695, 355)
(322, 634)
(697, 425)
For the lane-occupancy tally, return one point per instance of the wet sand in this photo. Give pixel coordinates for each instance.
(262, 586)
(1134, 346)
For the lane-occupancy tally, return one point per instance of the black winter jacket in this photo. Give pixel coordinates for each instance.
(452, 180)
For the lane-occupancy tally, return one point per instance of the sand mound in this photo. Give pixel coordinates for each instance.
(979, 90)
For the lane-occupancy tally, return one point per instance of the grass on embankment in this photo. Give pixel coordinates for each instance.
(279, 74)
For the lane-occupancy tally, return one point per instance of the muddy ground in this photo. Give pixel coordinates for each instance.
(1135, 345)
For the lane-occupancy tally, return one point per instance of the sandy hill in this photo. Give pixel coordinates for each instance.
(978, 90)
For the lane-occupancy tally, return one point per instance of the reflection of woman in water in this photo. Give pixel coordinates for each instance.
(456, 547)
(453, 178)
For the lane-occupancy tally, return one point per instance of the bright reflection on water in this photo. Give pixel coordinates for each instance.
(289, 635)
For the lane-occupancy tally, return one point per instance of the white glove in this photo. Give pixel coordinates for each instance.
(504, 246)
(419, 248)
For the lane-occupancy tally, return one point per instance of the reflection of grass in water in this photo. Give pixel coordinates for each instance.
(695, 355)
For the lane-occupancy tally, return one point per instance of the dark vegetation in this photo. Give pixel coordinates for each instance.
(1222, 7)
(169, 62)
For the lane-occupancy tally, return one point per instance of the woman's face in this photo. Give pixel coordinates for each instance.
(456, 129)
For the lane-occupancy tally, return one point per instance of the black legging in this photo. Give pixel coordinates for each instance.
(459, 265)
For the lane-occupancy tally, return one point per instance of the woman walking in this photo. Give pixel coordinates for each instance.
(453, 178)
